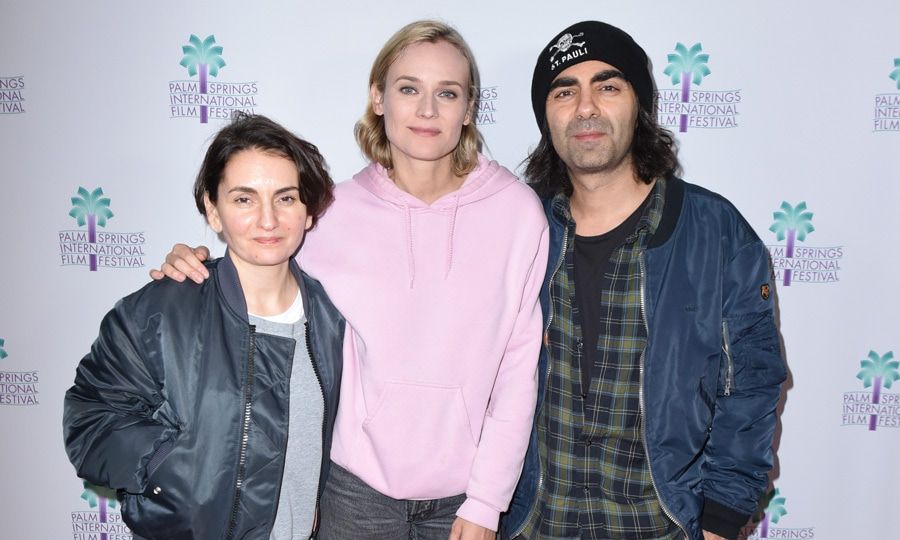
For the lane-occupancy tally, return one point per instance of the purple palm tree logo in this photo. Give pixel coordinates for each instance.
(91, 208)
(793, 222)
(2, 352)
(99, 497)
(205, 57)
(878, 371)
(686, 66)
(774, 511)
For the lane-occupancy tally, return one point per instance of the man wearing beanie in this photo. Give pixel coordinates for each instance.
(662, 366)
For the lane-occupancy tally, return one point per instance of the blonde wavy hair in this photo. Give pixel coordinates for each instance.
(369, 130)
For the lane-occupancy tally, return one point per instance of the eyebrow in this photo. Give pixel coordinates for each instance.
(245, 189)
(608, 74)
(418, 80)
(600, 76)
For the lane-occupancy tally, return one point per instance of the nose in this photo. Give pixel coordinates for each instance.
(428, 106)
(268, 218)
(587, 107)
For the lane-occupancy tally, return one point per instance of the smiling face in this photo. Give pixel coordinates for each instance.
(258, 209)
(591, 114)
(425, 102)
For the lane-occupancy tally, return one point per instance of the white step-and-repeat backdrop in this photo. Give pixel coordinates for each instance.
(789, 109)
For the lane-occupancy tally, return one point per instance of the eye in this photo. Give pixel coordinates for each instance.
(609, 87)
(287, 200)
(563, 93)
(242, 200)
(449, 94)
(408, 90)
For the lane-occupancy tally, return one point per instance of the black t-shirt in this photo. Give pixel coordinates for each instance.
(592, 254)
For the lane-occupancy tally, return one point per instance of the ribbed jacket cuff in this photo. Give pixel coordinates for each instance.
(722, 520)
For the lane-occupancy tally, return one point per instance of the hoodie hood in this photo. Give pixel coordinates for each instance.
(487, 179)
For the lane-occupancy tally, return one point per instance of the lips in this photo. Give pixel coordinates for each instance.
(267, 240)
(588, 135)
(425, 132)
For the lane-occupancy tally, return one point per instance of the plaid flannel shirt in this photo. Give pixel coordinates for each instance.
(597, 479)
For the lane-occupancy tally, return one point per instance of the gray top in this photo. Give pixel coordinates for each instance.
(299, 485)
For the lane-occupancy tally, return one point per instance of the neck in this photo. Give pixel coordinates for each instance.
(268, 290)
(600, 202)
(427, 181)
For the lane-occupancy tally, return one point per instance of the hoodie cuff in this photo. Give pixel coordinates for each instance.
(722, 520)
(479, 513)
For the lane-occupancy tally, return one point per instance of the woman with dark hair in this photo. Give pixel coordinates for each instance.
(435, 255)
(209, 408)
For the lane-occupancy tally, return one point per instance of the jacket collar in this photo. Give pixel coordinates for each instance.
(671, 212)
(230, 285)
(658, 219)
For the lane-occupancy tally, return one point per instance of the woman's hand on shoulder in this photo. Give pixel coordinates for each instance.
(184, 262)
(466, 530)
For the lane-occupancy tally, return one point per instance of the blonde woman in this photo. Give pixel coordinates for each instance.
(435, 255)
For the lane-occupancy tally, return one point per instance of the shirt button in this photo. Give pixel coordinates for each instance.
(588, 442)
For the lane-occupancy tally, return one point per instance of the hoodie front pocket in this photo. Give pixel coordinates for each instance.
(422, 440)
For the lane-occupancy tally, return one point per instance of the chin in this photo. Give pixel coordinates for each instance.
(274, 261)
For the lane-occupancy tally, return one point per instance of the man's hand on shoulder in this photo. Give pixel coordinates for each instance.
(184, 262)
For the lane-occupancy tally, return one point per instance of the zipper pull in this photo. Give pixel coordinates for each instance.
(729, 363)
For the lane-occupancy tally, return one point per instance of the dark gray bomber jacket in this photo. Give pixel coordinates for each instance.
(183, 409)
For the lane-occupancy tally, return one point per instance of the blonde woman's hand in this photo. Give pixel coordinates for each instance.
(184, 262)
(466, 530)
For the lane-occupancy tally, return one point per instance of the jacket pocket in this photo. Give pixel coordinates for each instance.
(755, 352)
(154, 517)
(160, 511)
(173, 506)
(422, 439)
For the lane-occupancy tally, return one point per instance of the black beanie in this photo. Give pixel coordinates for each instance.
(591, 40)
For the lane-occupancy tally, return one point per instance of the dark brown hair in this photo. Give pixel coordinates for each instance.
(256, 132)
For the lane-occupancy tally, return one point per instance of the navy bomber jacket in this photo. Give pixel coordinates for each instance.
(183, 409)
(713, 366)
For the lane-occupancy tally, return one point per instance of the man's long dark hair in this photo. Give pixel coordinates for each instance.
(654, 152)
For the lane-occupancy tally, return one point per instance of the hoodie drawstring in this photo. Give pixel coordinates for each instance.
(410, 248)
(450, 233)
(410, 257)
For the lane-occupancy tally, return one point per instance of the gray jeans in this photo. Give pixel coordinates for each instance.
(351, 510)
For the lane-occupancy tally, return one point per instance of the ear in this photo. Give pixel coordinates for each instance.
(308, 223)
(377, 98)
(212, 214)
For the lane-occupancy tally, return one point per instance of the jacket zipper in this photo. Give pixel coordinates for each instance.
(245, 434)
(540, 486)
(729, 362)
(643, 301)
(312, 360)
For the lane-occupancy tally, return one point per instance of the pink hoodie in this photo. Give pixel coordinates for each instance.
(439, 383)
